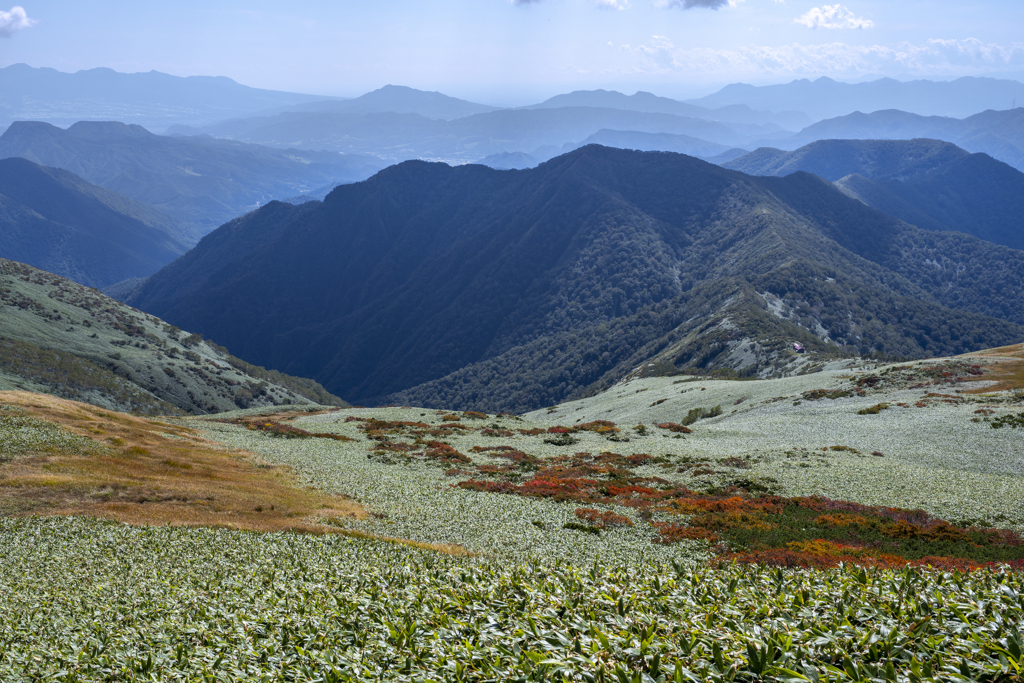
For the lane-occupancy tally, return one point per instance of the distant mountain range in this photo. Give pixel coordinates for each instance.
(200, 181)
(932, 184)
(624, 139)
(539, 132)
(408, 124)
(650, 103)
(59, 337)
(395, 123)
(470, 287)
(825, 98)
(154, 100)
(398, 99)
(54, 220)
(1000, 134)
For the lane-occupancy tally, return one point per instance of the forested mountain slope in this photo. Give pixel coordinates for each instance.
(468, 286)
(53, 219)
(929, 183)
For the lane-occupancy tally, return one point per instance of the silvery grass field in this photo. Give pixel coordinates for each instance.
(859, 523)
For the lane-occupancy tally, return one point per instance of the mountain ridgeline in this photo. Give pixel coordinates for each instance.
(200, 181)
(929, 183)
(52, 219)
(470, 287)
(58, 337)
(1000, 134)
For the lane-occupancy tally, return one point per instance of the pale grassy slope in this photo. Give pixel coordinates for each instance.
(933, 457)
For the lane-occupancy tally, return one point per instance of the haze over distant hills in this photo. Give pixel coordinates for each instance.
(201, 181)
(470, 287)
(1000, 134)
(154, 100)
(929, 183)
(825, 98)
(54, 220)
(648, 102)
(395, 123)
(398, 99)
(540, 132)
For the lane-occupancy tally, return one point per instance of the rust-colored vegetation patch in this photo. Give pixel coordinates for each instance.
(1005, 367)
(743, 522)
(149, 472)
(271, 427)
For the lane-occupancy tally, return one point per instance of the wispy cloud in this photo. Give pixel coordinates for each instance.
(832, 16)
(14, 20)
(935, 57)
(690, 4)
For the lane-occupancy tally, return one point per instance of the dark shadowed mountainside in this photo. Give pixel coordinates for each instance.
(468, 286)
(201, 181)
(929, 183)
(54, 220)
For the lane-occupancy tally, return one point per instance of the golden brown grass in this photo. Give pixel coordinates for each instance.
(1006, 368)
(152, 472)
(155, 473)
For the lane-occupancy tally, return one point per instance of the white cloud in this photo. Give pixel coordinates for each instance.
(14, 20)
(934, 57)
(690, 4)
(832, 16)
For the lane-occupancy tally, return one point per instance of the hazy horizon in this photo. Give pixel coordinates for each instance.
(514, 52)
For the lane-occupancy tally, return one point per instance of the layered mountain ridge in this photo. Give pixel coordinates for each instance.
(200, 181)
(929, 183)
(52, 219)
(468, 286)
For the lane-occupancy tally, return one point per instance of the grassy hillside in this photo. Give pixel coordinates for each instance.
(510, 290)
(54, 220)
(65, 339)
(860, 522)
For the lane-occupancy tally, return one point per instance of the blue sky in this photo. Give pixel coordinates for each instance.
(516, 51)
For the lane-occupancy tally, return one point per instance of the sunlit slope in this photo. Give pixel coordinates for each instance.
(59, 337)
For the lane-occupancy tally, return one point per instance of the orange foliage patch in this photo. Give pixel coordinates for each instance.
(602, 519)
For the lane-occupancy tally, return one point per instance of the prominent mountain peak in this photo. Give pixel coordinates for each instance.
(433, 284)
(30, 129)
